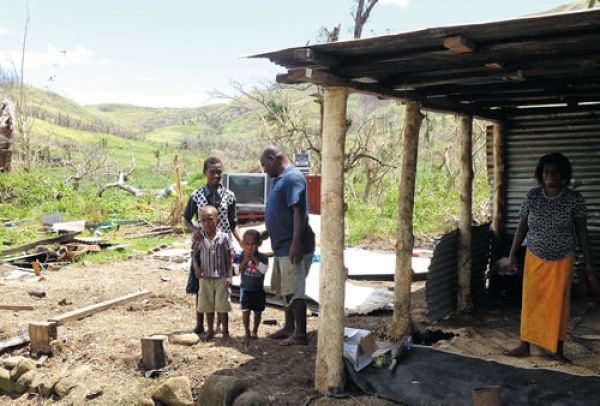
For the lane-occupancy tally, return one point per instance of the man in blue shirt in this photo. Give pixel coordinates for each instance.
(292, 240)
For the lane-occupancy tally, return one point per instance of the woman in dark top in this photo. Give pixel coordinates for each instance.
(553, 218)
(211, 194)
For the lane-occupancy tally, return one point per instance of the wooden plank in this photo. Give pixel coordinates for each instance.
(54, 240)
(16, 308)
(153, 352)
(13, 342)
(98, 307)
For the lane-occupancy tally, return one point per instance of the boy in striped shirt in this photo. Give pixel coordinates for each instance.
(211, 260)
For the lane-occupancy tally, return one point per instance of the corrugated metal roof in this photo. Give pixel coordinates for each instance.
(496, 66)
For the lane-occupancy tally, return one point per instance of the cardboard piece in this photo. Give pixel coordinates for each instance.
(359, 347)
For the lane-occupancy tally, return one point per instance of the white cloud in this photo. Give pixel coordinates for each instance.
(3, 30)
(399, 3)
(52, 57)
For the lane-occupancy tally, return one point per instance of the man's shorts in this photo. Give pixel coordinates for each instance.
(213, 296)
(252, 300)
(289, 280)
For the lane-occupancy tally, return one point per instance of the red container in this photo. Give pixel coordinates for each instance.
(313, 183)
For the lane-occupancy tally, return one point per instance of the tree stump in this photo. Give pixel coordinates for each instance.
(153, 352)
(41, 333)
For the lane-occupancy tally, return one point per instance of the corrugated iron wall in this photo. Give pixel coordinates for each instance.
(442, 278)
(576, 135)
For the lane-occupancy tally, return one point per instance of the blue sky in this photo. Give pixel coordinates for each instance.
(176, 53)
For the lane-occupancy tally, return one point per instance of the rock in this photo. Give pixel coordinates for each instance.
(77, 395)
(184, 339)
(145, 402)
(175, 392)
(251, 398)
(42, 385)
(22, 384)
(70, 380)
(221, 390)
(6, 385)
(47, 386)
(24, 365)
(11, 362)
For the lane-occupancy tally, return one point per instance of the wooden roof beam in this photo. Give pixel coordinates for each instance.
(458, 44)
(321, 78)
(316, 59)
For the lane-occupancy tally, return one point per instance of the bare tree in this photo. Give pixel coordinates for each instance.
(361, 13)
(94, 162)
(122, 179)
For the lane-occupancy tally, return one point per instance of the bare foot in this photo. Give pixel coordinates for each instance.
(280, 334)
(207, 336)
(199, 330)
(521, 351)
(293, 340)
(560, 358)
(254, 336)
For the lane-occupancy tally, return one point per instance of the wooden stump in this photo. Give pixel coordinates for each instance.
(41, 333)
(153, 352)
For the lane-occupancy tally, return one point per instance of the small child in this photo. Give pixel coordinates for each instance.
(211, 261)
(253, 266)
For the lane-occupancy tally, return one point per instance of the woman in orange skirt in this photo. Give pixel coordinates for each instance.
(553, 218)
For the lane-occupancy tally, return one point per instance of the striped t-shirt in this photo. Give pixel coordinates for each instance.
(213, 256)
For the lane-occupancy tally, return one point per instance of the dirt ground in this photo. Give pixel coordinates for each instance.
(109, 342)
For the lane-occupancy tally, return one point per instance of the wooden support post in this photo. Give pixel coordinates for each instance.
(466, 214)
(154, 352)
(329, 373)
(179, 208)
(498, 192)
(41, 334)
(401, 323)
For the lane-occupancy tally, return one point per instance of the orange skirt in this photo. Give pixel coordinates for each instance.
(546, 301)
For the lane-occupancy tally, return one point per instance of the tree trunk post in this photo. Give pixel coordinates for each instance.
(329, 372)
(402, 324)
(498, 193)
(466, 213)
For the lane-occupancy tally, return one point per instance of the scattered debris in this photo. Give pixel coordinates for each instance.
(165, 279)
(12, 343)
(64, 302)
(16, 308)
(46, 241)
(69, 226)
(37, 293)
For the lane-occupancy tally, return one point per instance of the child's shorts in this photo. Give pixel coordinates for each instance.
(213, 296)
(252, 300)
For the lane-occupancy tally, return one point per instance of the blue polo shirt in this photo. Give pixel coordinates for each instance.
(287, 191)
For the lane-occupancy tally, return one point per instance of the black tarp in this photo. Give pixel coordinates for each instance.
(427, 376)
